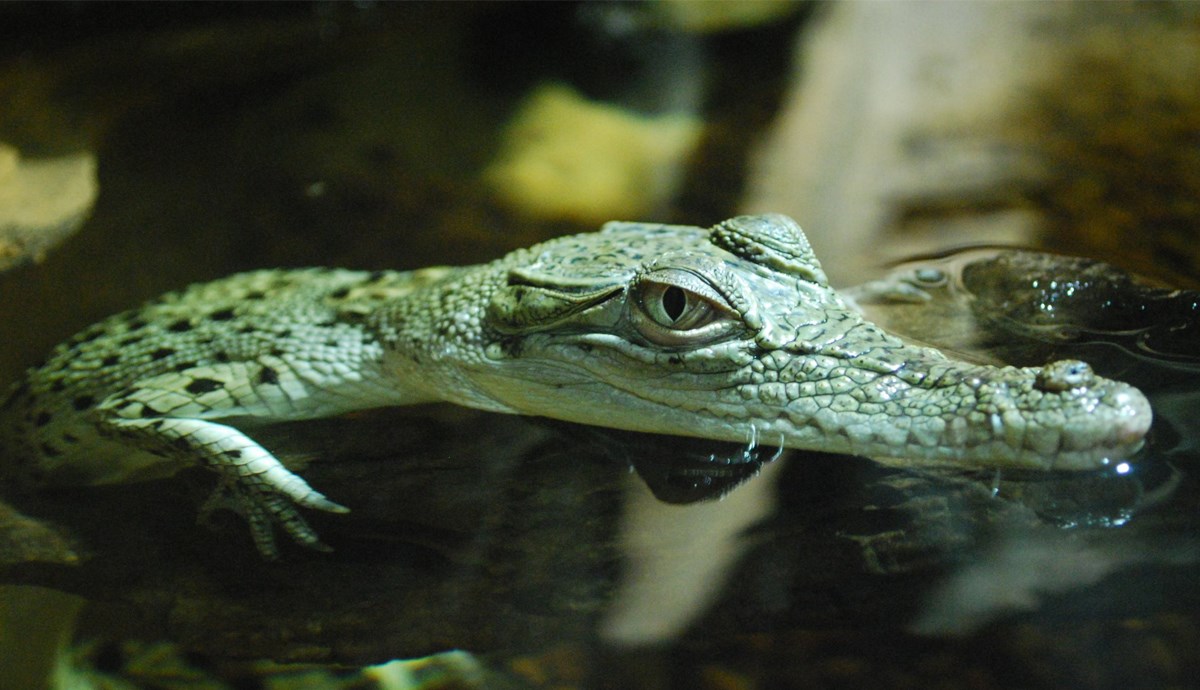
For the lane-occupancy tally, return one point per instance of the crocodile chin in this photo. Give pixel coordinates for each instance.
(733, 333)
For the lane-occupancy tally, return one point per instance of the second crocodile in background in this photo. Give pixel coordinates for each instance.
(730, 333)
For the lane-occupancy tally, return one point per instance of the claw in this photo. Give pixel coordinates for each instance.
(263, 509)
(318, 502)
(262, 533)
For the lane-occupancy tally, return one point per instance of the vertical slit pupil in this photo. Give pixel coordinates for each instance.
(674, 300)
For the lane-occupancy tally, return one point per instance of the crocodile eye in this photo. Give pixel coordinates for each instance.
(670, 306)
(678, 308)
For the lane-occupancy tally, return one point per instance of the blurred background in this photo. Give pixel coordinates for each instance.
(145, 146)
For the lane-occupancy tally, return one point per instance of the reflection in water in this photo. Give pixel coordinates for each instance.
(678, 559)
(1021, 570)
(1026, 308)
(682, 528)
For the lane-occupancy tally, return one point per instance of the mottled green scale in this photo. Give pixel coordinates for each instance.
(269, 345)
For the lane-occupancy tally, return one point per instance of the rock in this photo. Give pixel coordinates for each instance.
(41, 202)
(568, 158)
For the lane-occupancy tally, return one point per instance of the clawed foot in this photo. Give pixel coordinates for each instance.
(263, 509)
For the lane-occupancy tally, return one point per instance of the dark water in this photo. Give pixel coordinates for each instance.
(561, 556)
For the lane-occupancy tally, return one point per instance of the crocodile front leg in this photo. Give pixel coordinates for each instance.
(164, 416)
(253, 481)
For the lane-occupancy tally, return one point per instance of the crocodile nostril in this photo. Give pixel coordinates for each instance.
(1064, 375)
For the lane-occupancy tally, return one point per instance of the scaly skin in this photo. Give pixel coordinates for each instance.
(731, 333)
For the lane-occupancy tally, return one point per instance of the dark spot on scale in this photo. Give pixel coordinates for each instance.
(136, 324)
(50, 451)
(277, 352)
(376, 276)
(162, 353)
(585, 347)
(201, 386)
(326, 324)
(255, 294)
(180, 326)
(183, 366)
(285, 333)
(130, 340)
(43, 418)
(247, 329)
(331, 343)
(157, 424)
(83, 402)
(58, 385)
(675, 359)
(70, 438)
(149, 412)
(234, 454)
(340, 293)
(181, 444)
(111, 360)
(221, 315)
(221, 356)
(268, 376)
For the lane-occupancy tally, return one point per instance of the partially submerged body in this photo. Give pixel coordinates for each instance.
(729, 333)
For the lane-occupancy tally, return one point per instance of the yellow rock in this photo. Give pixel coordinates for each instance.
(707, 17)
(567, 158)
(41, 202)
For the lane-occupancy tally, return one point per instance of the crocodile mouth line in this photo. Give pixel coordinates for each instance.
(1123, 439)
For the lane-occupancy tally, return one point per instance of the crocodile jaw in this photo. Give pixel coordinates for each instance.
(929, 410)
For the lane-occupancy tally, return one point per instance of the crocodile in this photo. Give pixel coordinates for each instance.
(731, 333)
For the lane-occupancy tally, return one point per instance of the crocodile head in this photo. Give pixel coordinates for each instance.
(734, 333)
